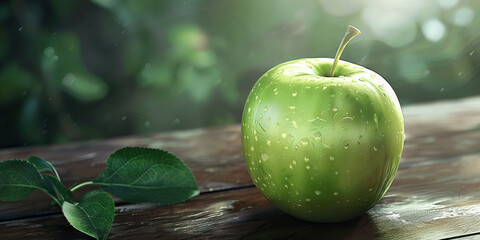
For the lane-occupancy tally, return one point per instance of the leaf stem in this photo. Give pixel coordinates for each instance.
(82, 185)
(53, 197)
(351, 33)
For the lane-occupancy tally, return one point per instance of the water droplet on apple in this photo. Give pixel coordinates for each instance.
(317, 137)
(284, 135)
(290, 166)
(280, 71)
(307, 199)
(261, 116)
(375, 148)
(304, 142)
(362, 79)
(277, 125)
(318, 192)
(285, 147)
(307, 87)
(249, 109)
(294, 94)
(306, 159)
(335, 193)
(339, 84)
(265, 109)
(295, 148)
(268, 142)
(307, 167)
(336, 172)
(332, 158)
(292, 107)
(252, 148)
(265, 157)
(334, 109)
(324, 87)
(294, 162)
(346, 146)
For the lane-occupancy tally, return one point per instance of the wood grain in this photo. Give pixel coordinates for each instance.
(435, 193)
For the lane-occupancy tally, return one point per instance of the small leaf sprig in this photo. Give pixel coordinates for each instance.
(133, 174)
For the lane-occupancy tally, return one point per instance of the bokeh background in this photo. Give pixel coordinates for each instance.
(75, 70)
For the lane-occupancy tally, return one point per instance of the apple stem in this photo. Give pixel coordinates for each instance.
(351, 33)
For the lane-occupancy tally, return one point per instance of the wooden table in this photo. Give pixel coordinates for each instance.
(436, 193)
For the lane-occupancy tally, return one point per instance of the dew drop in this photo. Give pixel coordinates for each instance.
(375, 148)
(317, 192)
(277, 125)
(346, 146)
(252, 148)
(324, 87)
(260, 116)
(370, 190)
(285, 147)
(292, 107)
(307, 167)
(265, 157)
(334, 109)
(304, 142)
(290, 166)
(284, 135)
(268, 142)
(294, 162)
(308, 199)
(306, 159)
(335, 193)
(294, 94)
(336, 172)
(249, 109)
(332, 158)
(265, 109)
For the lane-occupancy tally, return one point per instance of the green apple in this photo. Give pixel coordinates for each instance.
(322, 142)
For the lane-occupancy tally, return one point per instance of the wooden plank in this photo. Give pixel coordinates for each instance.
(429, 201)
(213, 153)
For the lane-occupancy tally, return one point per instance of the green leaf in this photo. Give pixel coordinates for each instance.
(59, 189)
(147, 175)
(18, 179)
(42, 165)
(92, 215)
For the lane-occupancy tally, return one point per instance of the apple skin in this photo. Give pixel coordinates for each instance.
(322, 149)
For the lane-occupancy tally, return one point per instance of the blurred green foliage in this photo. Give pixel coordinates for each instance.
(74, 70)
